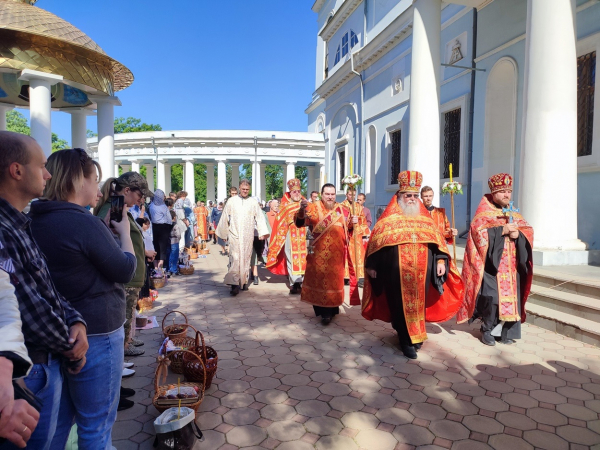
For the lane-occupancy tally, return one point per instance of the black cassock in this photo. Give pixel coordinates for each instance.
(486, 306)
(386, 263)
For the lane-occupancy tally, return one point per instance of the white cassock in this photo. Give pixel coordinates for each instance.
(237, 223)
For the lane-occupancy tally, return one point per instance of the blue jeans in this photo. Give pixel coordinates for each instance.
(174, 258)
(46, 382)
(90, 398)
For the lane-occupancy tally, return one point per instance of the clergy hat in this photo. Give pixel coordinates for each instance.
(410, 181)
(294, 183)
(500, 182)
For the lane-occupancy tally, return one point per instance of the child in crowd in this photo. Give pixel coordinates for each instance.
(175, 238)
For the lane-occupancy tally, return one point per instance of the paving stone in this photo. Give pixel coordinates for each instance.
(304, 393)
(378, 401)
(460, 407)
(413, 435)
(312, 408)
(271, 396)
(245, 436)
(125, 429)
(237, 400)
(545, 440)
(241, 416)
(360, 421)
(505, 441)
(578, 435)
(470, 445)
(394, 416)
(208, 420)
(212, 439)
(515, 420)
(520, 400)
(409, 396)
(482, 424)
(548, 397)
(296, 445)
(375, 440)
(265, 383)
(448, 429)
(427, 411)
(286, 430)
(278, 412)
(547, 416)
(346, 404)
(335, 389)
(576, 411)
(336, 443)
(234, 386)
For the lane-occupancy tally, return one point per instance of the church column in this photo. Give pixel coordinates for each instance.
(135, 166)
(322, 180)
(116, 169)
(150, 176)
(221, 179)
(210, 182)
(106, 131)
(168, 183)
(189, 180)
(291, 170)
(40, 93)
(310, 180)
(235, 174)
(284, 178)
(424, 107)
(550, 143)
(263, 181)
(4, 109)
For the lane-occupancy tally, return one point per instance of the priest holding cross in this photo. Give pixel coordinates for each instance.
(498, 265)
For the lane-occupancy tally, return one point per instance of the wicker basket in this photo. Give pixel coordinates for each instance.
(192, 252)
(160, 390)
(176, 357)
(145, 303)
(186, 270)
(174, 330)
(204, 251)
(157, 283)
(192, 370)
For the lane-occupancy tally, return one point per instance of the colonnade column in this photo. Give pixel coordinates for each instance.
(40, 85)
(4, 109)
(150, 176)
(116, 169)
(221, 179)
(424, 124)
(126, 168)
(160, 176)
(189, 180)
(168, 183)
(263, 181)
(321, 176)
(135, 166)
(310, 180)
(550, 144)
(235, 175)
(284, 178)
(106, 131)
(79, 126)
(210, 182)
(291, 170)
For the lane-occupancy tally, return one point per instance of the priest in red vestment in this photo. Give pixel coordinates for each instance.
(411, 277)
(328, 221)
(354, 270)
(287, 248)
(498, 265)
(201, 213)
(438, 215)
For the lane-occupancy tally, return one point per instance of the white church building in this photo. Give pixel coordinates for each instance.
(487, 85)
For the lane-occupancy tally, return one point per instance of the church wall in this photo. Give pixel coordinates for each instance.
(380, 13)
(354, 23)
(499, 22)
(588, 211)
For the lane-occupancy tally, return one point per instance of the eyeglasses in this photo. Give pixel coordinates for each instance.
(411, 195)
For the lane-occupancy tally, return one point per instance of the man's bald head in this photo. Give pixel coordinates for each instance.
(13, 149)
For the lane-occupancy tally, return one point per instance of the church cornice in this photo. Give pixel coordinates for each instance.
(339, 18)
(335, 81)
(317, 5)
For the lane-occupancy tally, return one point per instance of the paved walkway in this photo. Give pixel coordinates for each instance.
(286, 382)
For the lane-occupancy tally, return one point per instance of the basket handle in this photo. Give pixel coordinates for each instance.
(164, 362)
(201, 336)
(159, 368)
(203, 368)
(172, 312)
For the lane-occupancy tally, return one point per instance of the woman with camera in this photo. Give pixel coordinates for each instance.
(89, 268)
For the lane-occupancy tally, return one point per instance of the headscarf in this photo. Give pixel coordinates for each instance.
(159, 198)
(159, 212)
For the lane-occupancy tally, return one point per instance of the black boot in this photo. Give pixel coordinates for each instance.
(296, 289)
(409, 351)
(487, 338)
(235, 290)
(325, 320)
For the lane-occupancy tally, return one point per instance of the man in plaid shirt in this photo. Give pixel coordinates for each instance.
(55, 334)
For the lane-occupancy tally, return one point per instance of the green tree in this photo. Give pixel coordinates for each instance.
(17, 122)
(133, 124)
(273, 181)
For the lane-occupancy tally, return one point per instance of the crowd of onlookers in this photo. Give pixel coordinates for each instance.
(71, 275)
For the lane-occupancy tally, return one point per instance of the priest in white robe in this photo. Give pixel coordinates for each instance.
(240, 217)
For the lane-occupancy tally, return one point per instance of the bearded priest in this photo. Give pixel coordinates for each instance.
(324, 279)
(240, 217)
(287, 248)
(411, 277)
(498, 265)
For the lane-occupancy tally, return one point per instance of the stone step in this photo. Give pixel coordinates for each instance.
(568, 302)
(570, 325)
(566, 282)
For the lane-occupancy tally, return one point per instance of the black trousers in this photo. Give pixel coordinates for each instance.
(162, 240)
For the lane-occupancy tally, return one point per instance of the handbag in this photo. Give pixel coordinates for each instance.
(176, 429)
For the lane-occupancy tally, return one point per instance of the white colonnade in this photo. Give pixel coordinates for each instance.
(210, 181)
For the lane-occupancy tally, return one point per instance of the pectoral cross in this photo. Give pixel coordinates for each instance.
(509, 211)
(414, 238)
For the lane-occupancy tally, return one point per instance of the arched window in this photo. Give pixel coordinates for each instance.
(337, 56)
(349, 40)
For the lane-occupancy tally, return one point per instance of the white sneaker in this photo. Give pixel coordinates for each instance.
(128, 373)
(128, 365)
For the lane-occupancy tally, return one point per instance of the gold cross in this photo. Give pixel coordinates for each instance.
(414, 238)
(504, 277)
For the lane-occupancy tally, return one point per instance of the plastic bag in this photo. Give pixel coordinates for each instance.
(173, 433)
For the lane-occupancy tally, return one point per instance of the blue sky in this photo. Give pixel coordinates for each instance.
(226, 64)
